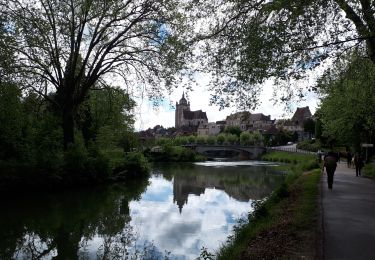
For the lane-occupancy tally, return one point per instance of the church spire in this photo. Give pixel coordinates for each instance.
(183, 100)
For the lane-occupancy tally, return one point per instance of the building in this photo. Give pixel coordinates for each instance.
(296, 123)
(247, 121)
(211, 128)
(185, 117)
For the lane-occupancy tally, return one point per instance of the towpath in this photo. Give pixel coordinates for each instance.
(348, 216)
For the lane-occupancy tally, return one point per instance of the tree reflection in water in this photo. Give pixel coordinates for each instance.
(185, 207)
(59, 226)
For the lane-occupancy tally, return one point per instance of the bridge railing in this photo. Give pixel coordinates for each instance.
(289, 149)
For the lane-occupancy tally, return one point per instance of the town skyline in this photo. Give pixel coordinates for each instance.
(147, 116)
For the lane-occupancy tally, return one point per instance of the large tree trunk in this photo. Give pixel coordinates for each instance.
(65, 98)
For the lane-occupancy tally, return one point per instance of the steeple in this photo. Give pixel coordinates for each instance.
(183, 100)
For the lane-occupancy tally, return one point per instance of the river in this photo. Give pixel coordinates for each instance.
(178, 211)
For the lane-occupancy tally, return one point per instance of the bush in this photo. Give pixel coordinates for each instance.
(309, 145)
(220, 138)
(89, 164)
(136, 165)
(201, 140)
(75, 158)
(211, 139)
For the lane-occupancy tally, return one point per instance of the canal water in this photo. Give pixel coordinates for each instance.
(181, 209)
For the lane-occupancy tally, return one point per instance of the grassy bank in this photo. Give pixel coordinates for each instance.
(284, 225)
(369, 170)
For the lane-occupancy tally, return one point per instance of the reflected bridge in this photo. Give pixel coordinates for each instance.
(240, 151)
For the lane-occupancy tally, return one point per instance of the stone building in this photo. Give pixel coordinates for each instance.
(247, 121)
(211, 128)
(185, 117)
(296, 123)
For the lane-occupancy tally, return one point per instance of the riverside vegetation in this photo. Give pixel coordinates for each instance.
(283, 225)
(32, 154)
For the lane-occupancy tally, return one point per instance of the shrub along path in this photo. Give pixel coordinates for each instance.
(348, 216)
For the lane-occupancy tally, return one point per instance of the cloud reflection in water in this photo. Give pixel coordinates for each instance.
(206, 220)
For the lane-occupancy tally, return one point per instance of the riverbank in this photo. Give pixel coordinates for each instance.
(75, 170)
(172, 153)
(283, 226)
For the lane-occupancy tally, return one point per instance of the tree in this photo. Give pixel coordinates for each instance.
(249, 42)
(309, 126)
(211, 139)
(69, 47)
(235, 130)
(12, 121)
(231, 138)
(348, 104)
(220, 138)
(108, 108)
(258, 138)
(245, 138)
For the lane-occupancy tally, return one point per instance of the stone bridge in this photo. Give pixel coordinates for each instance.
(243, 152)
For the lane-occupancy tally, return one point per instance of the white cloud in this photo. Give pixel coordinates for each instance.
(206, 220)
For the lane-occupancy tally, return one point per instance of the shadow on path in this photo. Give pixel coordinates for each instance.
(348, 216)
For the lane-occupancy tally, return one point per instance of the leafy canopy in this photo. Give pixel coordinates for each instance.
(249, 42)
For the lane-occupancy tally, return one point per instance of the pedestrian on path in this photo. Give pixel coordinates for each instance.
(349, 159)
(330, 163)
(358, 163)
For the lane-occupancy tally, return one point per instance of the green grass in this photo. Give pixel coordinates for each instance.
(268, 213)
(299, 162)
(369, 170)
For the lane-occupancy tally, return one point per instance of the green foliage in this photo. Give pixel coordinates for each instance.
(318, 129)
(75, 158)
(211, 139)
(246, 138)
(281, 138)
(231, 138)
(310, 145)
(348, 104)
(220, 138)
(11, 118)
(118, 41)
(369, 170)
(191, 139)
(234, 130)
(163, 141)
(136, 165)
(172, 153)
(181, 140)
(257, 137)
(249, 44)
(301, 162)
(201, 140)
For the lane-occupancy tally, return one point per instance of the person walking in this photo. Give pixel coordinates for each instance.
(349, 159)
(330, 163)
(358, 163)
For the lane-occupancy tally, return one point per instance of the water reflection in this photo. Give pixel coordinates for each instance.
(66, 225)
(180, 209)
(190, 206)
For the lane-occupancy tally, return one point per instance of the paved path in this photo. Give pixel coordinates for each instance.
(348, 216)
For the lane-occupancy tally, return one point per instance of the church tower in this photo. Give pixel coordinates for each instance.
(182, 106)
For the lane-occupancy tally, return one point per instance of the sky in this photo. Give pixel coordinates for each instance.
(147, 116)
